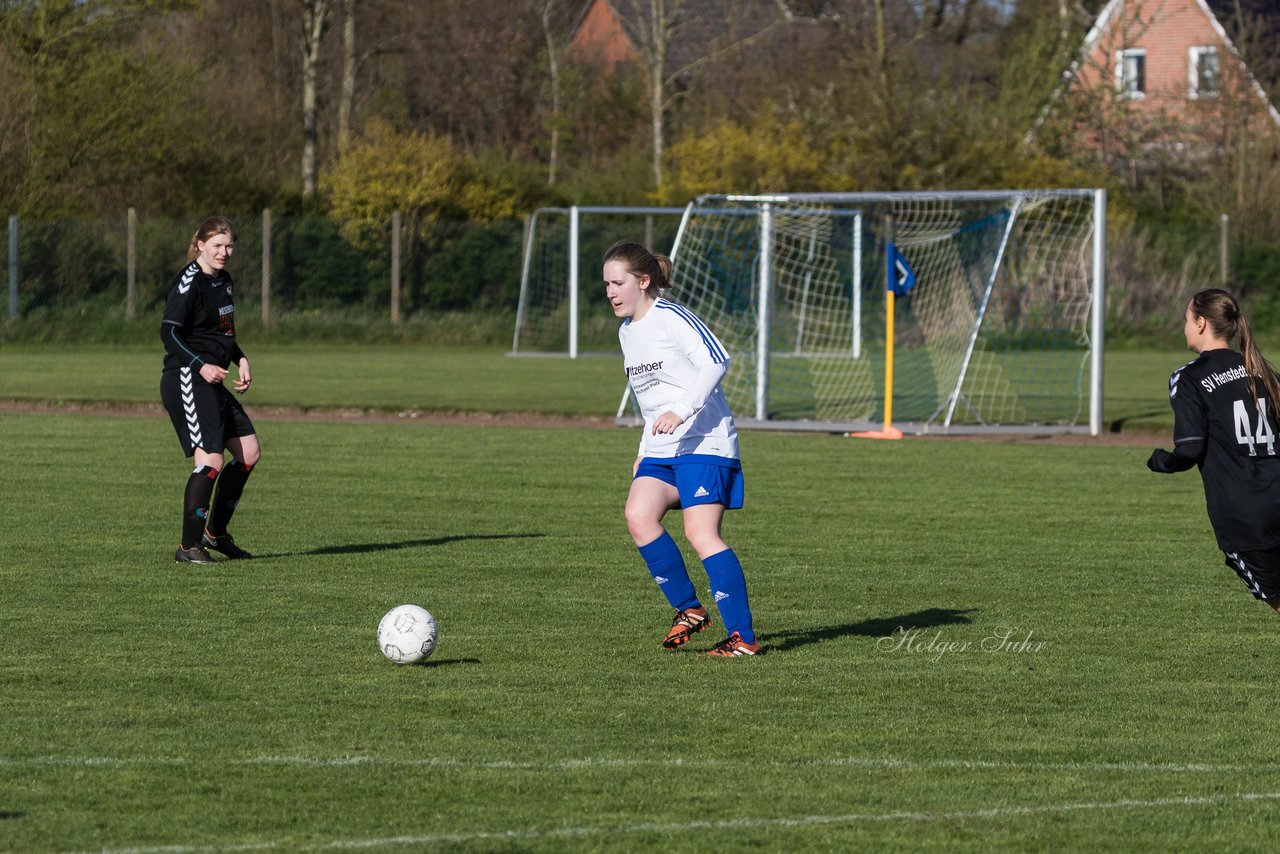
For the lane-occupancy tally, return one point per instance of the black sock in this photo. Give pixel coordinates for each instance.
(195, 505)
(230, 486)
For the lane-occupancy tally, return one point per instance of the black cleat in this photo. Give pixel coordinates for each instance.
(224, 544)
(195, 554)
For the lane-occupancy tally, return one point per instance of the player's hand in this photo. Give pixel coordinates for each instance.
(635, 467)
(1159, 461)
(667, 422)
(212, 374)
(245, 378)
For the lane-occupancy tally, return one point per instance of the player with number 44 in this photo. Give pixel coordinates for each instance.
(1224, 406)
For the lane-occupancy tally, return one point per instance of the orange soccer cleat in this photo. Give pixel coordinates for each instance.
(686, 624)
(734, 645)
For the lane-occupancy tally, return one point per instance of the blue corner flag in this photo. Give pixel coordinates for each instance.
(901, 278)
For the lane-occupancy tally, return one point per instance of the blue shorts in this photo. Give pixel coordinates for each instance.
(698, 478)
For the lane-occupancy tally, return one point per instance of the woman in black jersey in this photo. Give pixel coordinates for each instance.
(199, 334)
(1224, 422)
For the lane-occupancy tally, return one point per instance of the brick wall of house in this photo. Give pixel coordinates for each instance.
(1167, 29)
(600, 39)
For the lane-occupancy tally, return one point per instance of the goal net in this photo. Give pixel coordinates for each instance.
(562, 310)
(1002, 330)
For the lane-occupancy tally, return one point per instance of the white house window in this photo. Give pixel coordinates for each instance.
(1131, 72)
(1203, 78)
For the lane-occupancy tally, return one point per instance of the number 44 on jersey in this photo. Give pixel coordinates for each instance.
(1246, 435)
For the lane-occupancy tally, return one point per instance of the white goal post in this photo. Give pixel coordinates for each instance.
(1002, 332)
(560, 246)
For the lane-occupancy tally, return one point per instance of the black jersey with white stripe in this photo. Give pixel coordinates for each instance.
(1213, 405)
(199, 324)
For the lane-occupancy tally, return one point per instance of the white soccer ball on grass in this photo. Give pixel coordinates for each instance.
(407, 634)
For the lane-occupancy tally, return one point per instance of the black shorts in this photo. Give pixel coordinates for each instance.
(204, 416)
(1259, 569)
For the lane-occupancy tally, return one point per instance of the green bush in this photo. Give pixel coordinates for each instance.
(472, 265)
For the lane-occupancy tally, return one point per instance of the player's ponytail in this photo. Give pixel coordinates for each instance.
(1256, 365)
(664, 264)
(639, 261)
(1223, 314)
(212, 225)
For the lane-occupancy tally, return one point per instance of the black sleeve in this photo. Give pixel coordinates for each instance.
(178, 309)
(1190, 421)
(1184, 456)
(1190, 427)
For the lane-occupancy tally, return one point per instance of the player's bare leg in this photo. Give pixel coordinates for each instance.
(702, 529)
(648, 501)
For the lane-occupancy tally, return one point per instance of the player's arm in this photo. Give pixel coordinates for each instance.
(244, 375)
(712, 361)
(709, 376)
(177, 318)
(1190, 429)
(1185, 455)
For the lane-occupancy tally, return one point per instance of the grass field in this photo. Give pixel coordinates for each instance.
(453, 379)
(971, 645)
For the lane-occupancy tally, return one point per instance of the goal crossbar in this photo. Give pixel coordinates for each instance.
(1003, 332)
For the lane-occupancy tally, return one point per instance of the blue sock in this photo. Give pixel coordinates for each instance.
(666, 565)
(729, 587)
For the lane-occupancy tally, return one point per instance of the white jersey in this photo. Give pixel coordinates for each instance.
(674, 364)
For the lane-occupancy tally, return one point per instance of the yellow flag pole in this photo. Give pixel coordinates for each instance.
(889, 431)
(888, 365)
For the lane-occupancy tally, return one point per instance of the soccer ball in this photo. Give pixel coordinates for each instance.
(407, 634)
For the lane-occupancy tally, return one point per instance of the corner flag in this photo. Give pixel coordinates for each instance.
(901, 278)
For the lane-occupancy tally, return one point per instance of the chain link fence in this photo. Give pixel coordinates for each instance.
(282, 266)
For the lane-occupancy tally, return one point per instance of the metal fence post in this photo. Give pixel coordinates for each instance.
(1224, 247)
(13, 265)
(266, 266)
(131, 266)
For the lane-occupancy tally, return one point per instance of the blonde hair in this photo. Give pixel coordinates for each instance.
(212, 225)
(640, 261)
(1222, 312)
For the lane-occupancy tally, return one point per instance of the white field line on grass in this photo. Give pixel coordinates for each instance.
(578, 764)
(723, 825)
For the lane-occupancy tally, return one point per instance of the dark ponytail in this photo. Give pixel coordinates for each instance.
(1225, 317)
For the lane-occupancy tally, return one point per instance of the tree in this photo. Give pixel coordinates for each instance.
(547, 17)
(447, 76)
(1241, 174)
(90, 110)
(419, 174)
(659, 26)
(347, 100)
(315, 15)
(770, 156)
(424, 176)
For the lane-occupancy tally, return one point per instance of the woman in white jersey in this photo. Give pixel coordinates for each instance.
(688, 455)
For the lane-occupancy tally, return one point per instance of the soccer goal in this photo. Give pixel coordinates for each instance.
(1000, 331)
(563, 248)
